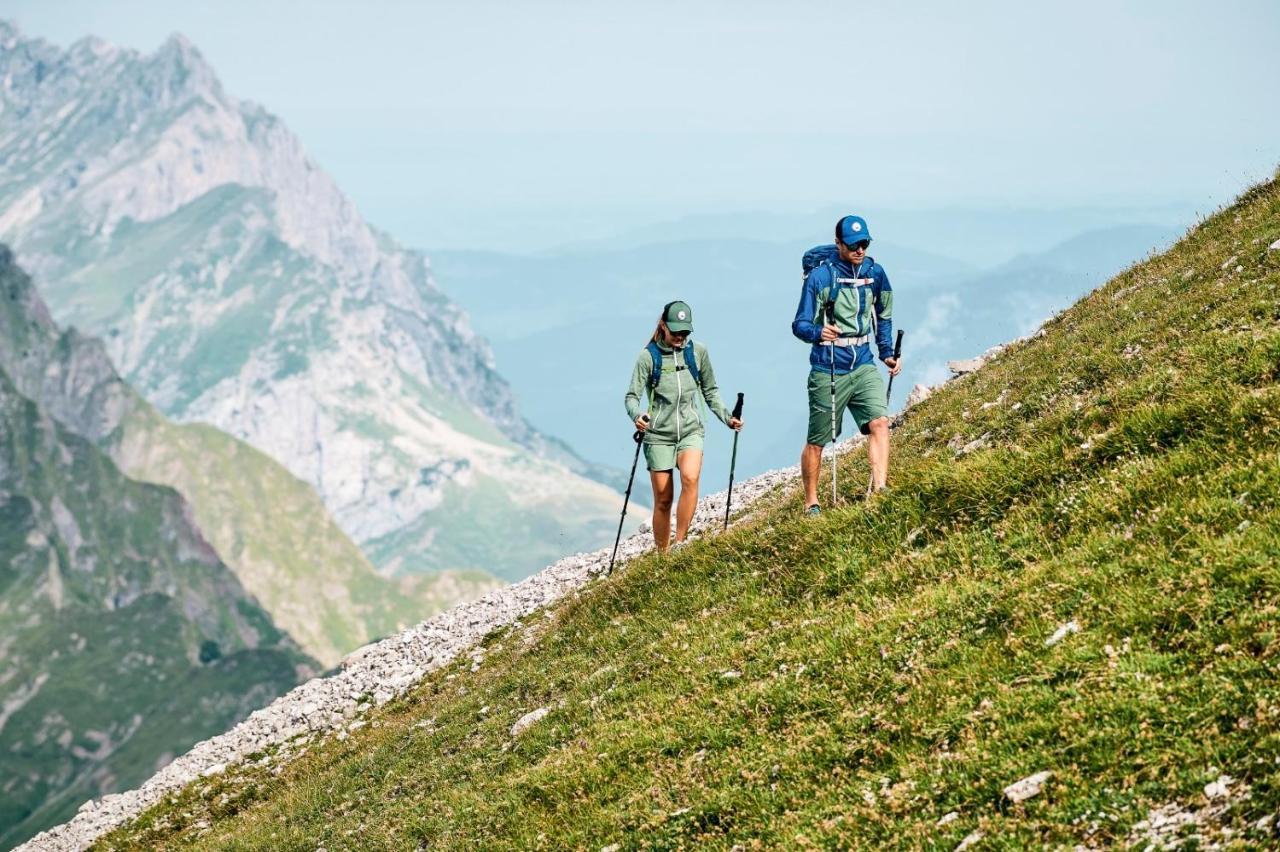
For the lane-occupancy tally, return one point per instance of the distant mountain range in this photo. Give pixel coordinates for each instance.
(233, 283)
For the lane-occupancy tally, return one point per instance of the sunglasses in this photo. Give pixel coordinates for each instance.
(681, 334)
(860, 245)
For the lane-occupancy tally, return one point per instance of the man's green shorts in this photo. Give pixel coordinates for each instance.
(663, 456)
(861, 391)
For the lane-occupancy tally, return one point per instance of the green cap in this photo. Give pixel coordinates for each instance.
(678, 316)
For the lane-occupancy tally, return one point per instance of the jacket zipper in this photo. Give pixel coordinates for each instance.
(675, 366)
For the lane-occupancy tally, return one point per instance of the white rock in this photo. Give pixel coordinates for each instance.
(216, 769)
(1275, 246)
(528, 720)
(918, 394)
(965, 366)
(1219, 789)
(1030, 786)
(730, 675)
(1062, 632)
(949, 818)
(969, 840)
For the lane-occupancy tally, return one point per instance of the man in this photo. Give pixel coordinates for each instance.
(845, 304)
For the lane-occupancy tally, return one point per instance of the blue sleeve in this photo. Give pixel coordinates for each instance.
(803, 325)
(884, 314)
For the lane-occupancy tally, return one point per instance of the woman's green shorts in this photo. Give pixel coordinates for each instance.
(861, 391)
(663, 456)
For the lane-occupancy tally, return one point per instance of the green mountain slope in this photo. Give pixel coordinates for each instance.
(269, 526)
(124, 639)
(1077, 572)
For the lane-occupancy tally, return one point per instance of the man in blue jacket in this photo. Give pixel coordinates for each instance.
(845, 306)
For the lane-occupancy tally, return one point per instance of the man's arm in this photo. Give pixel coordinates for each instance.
(803, 325)
(884, 315)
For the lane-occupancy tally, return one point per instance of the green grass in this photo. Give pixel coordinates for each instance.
(891, 659)
(316, 583)
(106, 595)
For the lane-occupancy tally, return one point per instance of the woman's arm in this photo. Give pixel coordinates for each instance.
(710, 390)
(639, 384)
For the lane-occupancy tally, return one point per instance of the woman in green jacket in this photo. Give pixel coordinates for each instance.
(673, 427)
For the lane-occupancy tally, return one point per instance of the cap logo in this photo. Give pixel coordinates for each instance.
(856, 226)
(681, 315)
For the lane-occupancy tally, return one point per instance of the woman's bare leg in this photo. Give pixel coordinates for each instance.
(664, 490)
(690, 464)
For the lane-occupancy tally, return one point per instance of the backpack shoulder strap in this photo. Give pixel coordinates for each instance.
(691, 361)
(655, 373)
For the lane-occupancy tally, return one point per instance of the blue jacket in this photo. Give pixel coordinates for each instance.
(853, 314)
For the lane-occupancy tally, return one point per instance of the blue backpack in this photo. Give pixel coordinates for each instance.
(814, 258)
(690, 363)
(817, 256)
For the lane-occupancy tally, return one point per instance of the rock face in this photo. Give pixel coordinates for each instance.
(269, 527)
(123, 637)
(233, 283)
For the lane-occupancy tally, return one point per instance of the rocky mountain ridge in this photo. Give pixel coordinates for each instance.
(123, 636)
(265, 524)
(233, 283)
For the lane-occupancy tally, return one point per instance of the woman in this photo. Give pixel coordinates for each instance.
(676, 375)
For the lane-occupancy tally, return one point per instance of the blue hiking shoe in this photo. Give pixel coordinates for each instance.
(813, 511)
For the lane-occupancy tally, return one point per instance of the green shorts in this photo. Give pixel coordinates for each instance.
(663, 456)
(861, 391)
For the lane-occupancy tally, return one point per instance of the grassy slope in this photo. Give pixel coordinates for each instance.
(102, 618)
(892, 657)
(276, 534)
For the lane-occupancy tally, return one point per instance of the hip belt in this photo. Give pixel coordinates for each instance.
(850, 341)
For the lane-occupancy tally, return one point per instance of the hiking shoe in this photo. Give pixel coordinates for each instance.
(813, 511)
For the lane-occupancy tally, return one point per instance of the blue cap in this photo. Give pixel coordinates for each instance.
(852, 229)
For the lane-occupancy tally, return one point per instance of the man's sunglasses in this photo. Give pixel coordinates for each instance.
(860, 245)
(678, 333)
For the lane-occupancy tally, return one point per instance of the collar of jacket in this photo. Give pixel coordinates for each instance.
(846, 270)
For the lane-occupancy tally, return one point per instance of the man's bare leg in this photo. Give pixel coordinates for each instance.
(689, 463)
(810, 465)
(878, 452)
(664, 490)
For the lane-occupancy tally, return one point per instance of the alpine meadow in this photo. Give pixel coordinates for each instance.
(612, 427)
(1074, 584)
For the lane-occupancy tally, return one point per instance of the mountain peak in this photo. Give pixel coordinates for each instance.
(183, 68)
(9, 34)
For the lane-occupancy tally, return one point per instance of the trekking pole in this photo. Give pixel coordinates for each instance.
(638, 437)
(733, 460)
(897, 353)
(830, 309)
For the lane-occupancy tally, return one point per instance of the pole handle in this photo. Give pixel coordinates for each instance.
(639, 436)
(737, 408)
(897, 346)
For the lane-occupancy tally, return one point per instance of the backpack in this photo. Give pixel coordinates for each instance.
(690, 361)
(817, 256)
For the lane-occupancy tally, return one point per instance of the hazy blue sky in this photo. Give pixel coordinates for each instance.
(449, 122)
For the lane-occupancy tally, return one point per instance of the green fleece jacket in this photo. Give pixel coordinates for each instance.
(675, 404)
